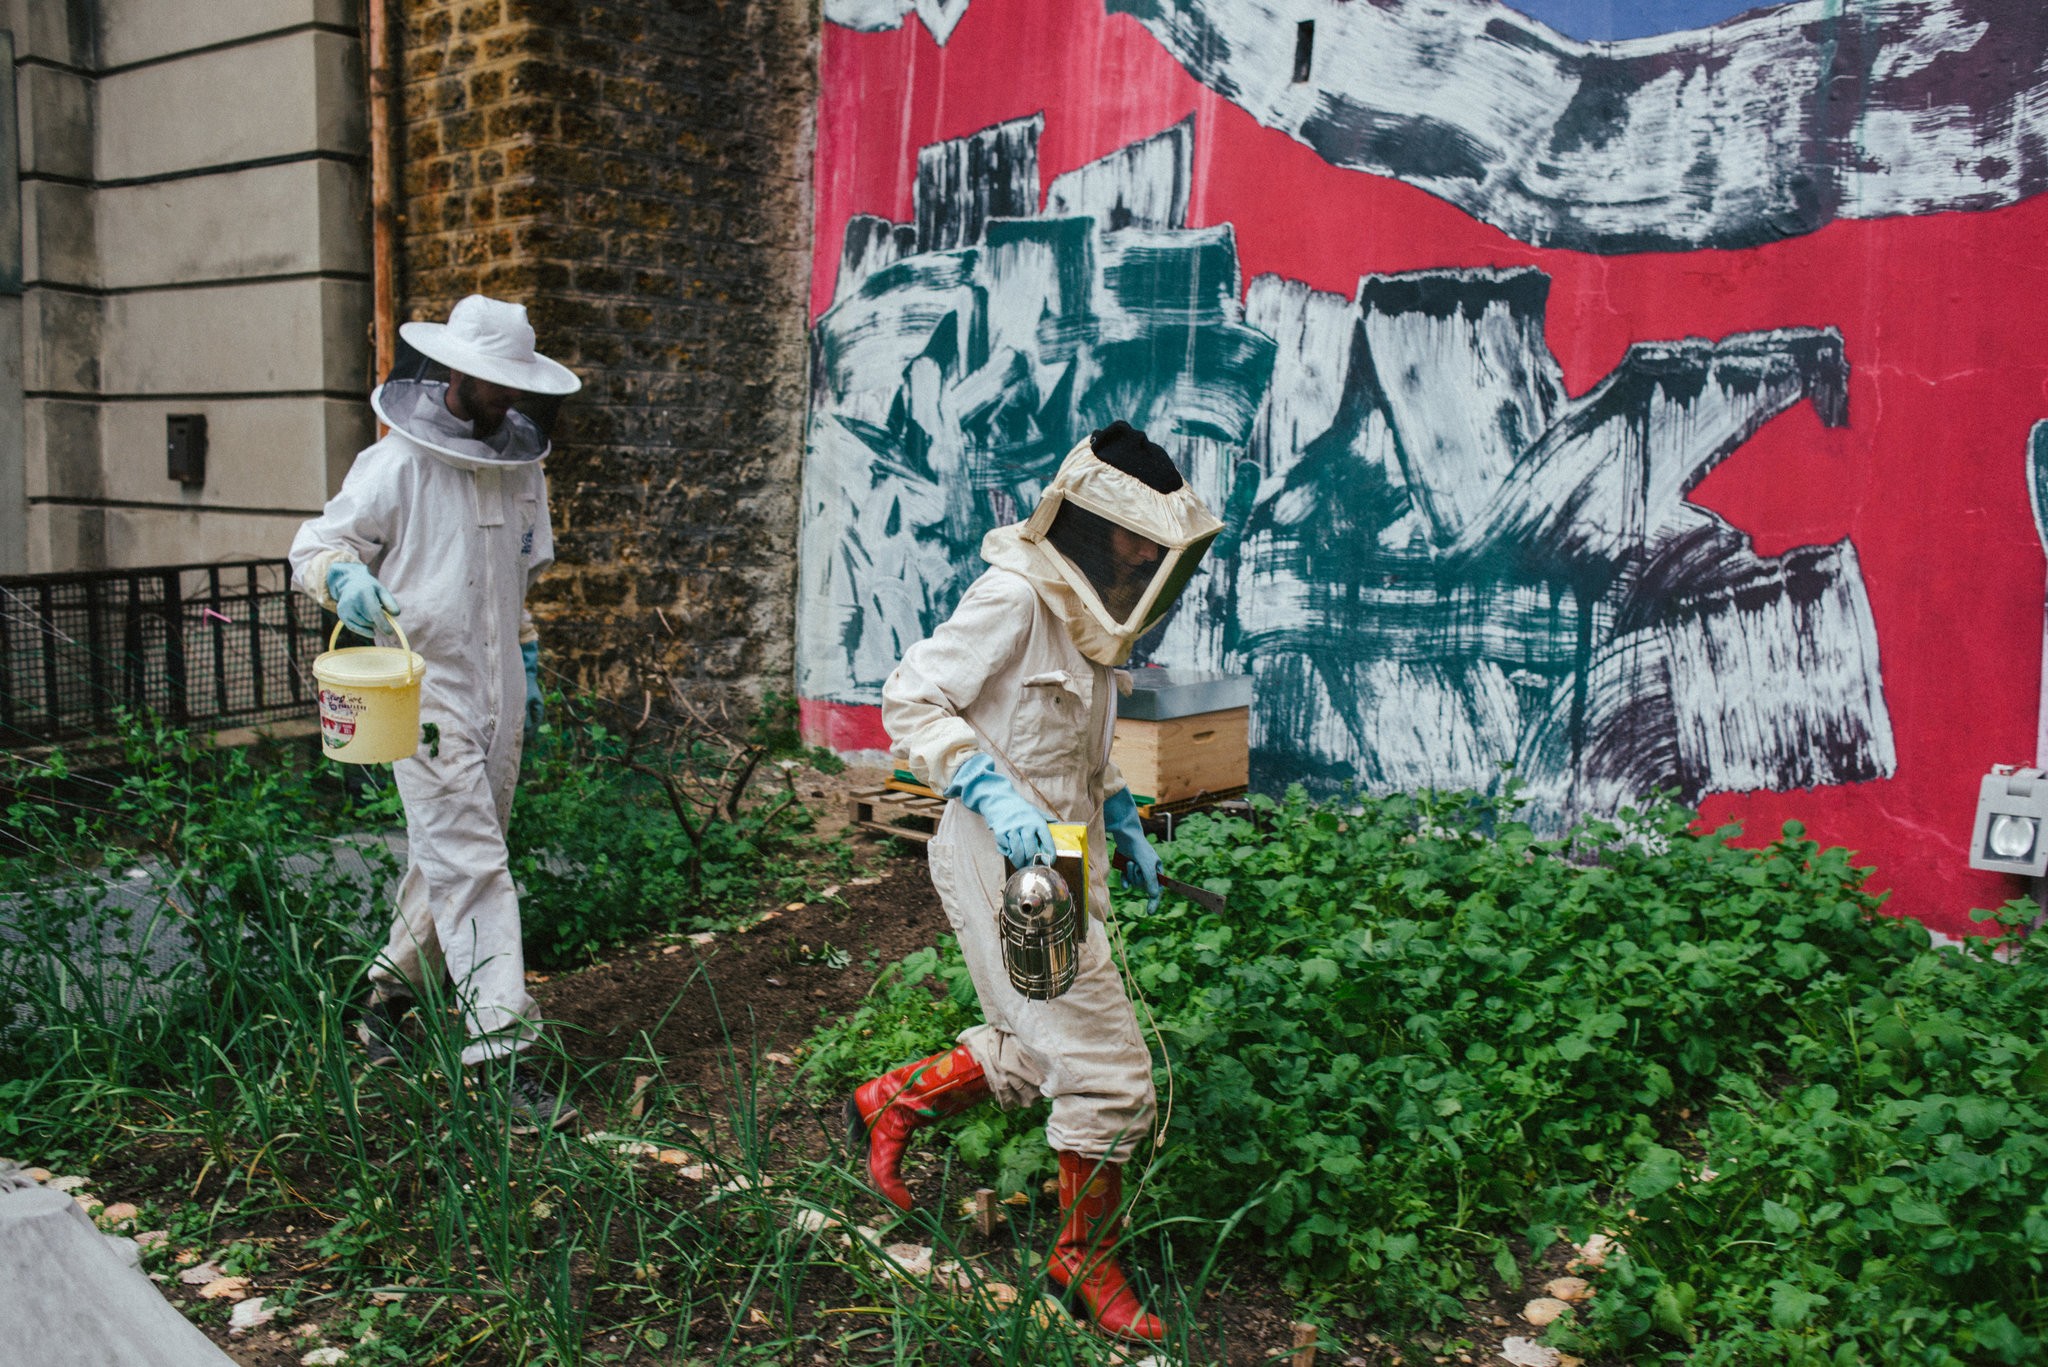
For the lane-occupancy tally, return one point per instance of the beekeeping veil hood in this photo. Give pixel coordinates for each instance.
(431, 395)
(1112, 543)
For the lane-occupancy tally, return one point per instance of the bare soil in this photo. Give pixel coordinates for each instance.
(700, 1008)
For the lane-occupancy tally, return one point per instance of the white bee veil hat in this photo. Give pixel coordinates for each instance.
(492, 340)
(1108, 552)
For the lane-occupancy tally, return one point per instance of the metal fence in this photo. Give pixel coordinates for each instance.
(202, 645)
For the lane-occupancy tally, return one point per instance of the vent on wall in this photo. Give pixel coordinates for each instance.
(185, 448)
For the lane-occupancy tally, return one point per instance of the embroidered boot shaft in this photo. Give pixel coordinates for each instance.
(1083, 1261)
(882, 1113)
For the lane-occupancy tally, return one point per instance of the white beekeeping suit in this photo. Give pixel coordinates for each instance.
(455, 527)
(1009, 708)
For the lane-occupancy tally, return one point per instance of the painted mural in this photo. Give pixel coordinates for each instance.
(1454, 545)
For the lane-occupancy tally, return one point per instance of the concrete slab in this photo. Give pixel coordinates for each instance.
(172, 536)
(288, 95)
(61, 334)
(257, 338)
(58, 235)
(55, 112)
(296, 218)
(261, 452)
(73, 1297)
(63, 449)
(54, 33)
(144, 30)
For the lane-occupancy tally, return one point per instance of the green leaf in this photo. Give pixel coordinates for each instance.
(1981, 1117)
(1911, 1210)
(1505, 1267)
(1782, 1219)
(1658, 1173)
(1671, 1310)
(1792, 1306)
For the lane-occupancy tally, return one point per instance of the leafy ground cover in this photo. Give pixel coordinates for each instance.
(217, 1099)
(1421, 1053)
(1435, 1045)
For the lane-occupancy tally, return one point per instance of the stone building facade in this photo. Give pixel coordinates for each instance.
(192, 244)
(196, 239)
(638, 174)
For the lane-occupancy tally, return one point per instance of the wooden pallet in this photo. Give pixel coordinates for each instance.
(904, 815)
(913, 815)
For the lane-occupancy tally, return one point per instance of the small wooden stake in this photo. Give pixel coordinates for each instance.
(636, 1104)
(985, 1211)
(1304, 1346)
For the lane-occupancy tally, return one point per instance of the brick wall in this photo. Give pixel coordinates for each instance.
(638, 174)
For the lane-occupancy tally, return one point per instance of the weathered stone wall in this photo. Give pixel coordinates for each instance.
(638, 174)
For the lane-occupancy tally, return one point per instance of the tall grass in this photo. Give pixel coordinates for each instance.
(227, 1092)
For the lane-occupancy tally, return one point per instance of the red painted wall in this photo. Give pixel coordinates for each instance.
(1944, 334)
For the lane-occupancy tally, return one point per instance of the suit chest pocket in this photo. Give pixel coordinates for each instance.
(527, 522)
(1048, 735)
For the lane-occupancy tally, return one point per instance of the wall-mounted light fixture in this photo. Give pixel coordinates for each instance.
(2011, 831)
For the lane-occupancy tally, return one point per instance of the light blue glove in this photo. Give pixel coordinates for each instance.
(1020, 829)
(529, 652)
(1120, 819)
(359, 600)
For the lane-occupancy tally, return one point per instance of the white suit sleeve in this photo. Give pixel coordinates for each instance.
(1113, 781)
(943, 674)
(543, 556)
(355, 525)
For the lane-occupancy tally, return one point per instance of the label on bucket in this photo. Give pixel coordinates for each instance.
(338, 717)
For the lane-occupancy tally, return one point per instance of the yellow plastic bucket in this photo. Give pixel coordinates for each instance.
(369, 700)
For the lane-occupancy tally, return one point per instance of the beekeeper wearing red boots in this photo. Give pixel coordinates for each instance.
(1008, 709)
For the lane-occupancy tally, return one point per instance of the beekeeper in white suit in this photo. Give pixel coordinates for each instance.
(443, 525)
(1008, 709)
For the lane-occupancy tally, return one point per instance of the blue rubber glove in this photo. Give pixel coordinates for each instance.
(1020, 828)
(359, 600)
(1120, 819)
(529, 652)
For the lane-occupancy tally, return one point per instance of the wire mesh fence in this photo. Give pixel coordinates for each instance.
(201, 645)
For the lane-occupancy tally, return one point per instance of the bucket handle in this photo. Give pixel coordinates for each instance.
(334, 638)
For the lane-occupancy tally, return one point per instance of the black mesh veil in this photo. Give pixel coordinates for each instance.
(461, 414)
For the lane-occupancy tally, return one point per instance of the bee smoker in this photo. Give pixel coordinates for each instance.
(1041, 932)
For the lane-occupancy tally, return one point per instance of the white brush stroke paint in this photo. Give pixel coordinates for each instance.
(1468, 394)
(874, 16)
(1713, 137)
(872, 244)
(1445, 633)
(1759, 691)
(1144, 185)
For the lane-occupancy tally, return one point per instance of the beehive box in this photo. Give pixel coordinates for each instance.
(1182, 733)
(1184, 757)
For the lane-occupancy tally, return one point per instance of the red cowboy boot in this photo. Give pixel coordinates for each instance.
(1091, 1195)
(881, 1114)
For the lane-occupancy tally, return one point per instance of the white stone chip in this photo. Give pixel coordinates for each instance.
(225, 1289)
(1524, 1352)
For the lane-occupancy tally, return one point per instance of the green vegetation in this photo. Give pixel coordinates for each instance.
(632, 827)
(1436, 1044)
(223, 1091)
(1421, 1048)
